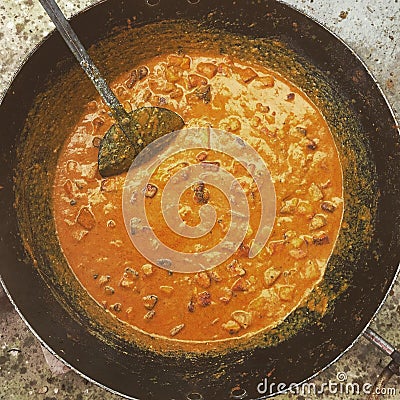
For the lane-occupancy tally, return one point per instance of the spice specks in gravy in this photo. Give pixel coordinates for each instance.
(243, 295)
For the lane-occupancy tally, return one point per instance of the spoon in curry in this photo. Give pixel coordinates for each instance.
(132, 131)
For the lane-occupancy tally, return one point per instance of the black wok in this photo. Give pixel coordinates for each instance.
(360, 271)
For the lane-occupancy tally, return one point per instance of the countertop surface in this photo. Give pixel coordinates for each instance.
(372, 29)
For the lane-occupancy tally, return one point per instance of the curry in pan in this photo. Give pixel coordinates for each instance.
(215, 328)
(243, 295)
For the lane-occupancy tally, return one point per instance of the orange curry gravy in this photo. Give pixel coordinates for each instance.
(242, 296)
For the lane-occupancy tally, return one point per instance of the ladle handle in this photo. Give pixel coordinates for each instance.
(71, 39)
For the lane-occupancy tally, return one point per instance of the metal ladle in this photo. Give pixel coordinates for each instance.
(132, 131)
